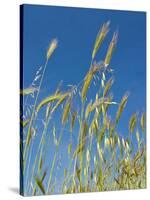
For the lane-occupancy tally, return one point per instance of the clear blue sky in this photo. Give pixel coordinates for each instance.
(76, 29)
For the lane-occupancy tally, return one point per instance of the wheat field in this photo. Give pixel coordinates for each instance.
(97, 157)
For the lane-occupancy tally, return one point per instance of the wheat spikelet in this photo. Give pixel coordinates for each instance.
(66, 111)
(100, 152)
(109, 100)
(73, 117)
(137, 136)
(142, 122)
(127, 146)
(88, 109)
(121, 107)
(96, 104)
(28, 91)
(102, 132)
(108, 86)
(100, 102)
(123, 143)
(100, 37)
(88, 80)
(60, 101)
(94, 126)
(119, 143)
(111, 49)
(88, 156)
(48, 100)
(52, 47)
(132, 123)
(106, 142)
(84, 131)
(70, 148)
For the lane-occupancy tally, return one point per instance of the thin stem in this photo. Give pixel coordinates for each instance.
(34, 107)
(42, 138)
(80, 136)
(54, 160)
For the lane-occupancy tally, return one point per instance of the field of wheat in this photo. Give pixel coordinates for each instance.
(95, 156)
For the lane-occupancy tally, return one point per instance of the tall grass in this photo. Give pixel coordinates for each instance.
(99, 158)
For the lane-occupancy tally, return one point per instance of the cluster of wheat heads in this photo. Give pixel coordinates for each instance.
(97, 157)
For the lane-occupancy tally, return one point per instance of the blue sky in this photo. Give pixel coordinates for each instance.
(76, 30)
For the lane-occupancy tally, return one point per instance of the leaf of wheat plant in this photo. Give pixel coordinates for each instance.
(99, 158)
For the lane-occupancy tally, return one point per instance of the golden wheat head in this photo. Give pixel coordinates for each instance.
(52, 47)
